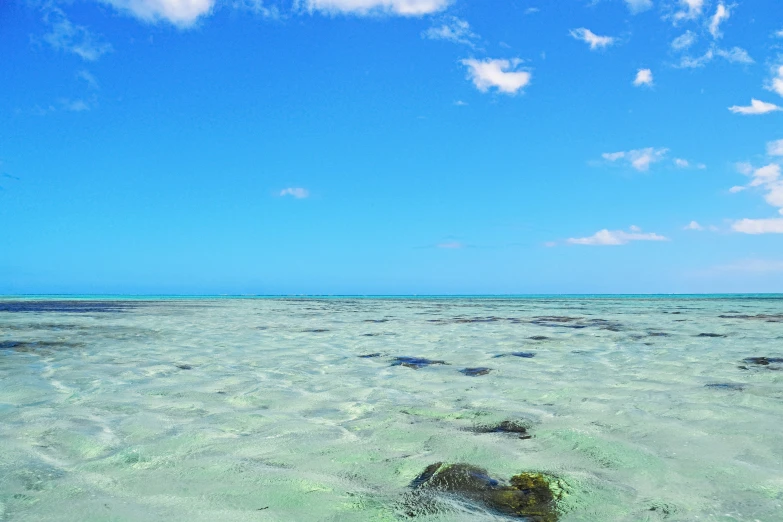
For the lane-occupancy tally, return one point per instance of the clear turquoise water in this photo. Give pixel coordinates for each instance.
(278, 418)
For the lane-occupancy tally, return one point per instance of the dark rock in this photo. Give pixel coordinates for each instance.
(316, 330)
(475, 372)
(539, 338)
(33, 346)
(776, 318)
(527, 495)
(184, 367)
(370, 355)
(414, 362)
(75, 306)
(771, 363)
(710, 335)
(524, 355)
(726, 386)
(376, 320)
(503, 427)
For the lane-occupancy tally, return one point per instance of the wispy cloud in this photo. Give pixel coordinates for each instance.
(182, 13)
(450, 245)
(691, 10)
(684, 41)
(775, 148)
(296, 192)
(454, 30)
(722, 13)
(733, 55)
(638, 6)
(693, 225)
(759, 266)
(92, 83)
(616, 237)
(639, 159)
(768, 178)
(643, 77)
(369, 7)
(502, 75)
(65, 36)
(592, 39)
(756, 107)
(775, 84)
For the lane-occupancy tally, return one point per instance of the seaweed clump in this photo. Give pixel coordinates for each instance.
(527, 495)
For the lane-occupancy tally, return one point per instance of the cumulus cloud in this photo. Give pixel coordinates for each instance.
(637, 6)
(500, 74)
(452, 29)
(643, 77)
(684, 41)
(722, 14)
(733, 55)
(366, 7)
(76, 39)
(592, 39)
(693, 225)
(297, 192)
(639, 159)
(776, 83)
(616, 237)
(755, 107)
(759, 226)
(775, 148)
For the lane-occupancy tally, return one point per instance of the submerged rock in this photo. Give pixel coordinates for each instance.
(540, 338)
(416, 363)
(369, 356)
(524, 355)
(527, 495)
(770, 363)
(184, 367)
(475, 372)
(710, 335)
(503, 427)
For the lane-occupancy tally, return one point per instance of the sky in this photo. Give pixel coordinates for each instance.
(391, 146)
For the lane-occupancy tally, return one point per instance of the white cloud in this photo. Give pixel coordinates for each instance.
(692, 10)
(684, 41)
(639, 159)
(297, 192)
(643, 77)
(257, 7)
(637, 6)
(77, 39)
(366, 7)
(681, 163)
(755, 107)
(765, 175)
(744, 168)
(92, 83)
(592, 39)
(779, 34)
(533, 10)
(500, 74)
(735, 55)
(722, 14)
(74, 105)
(178, 12)
(775, 148)
(776, 83)
(688, 62)
(454, 30)
(759, 226)
(736, 188)
(616, 237)
(693, 225)
(451, 245)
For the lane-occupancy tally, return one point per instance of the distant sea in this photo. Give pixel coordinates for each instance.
(331, 408)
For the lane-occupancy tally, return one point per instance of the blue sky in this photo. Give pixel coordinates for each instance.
(391, 146)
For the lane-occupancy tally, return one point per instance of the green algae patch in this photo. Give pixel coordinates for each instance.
(532, 496)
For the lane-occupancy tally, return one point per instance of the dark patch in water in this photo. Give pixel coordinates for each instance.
(726, 386)
(69, 306)
(775, 318)
(475, 372)
(527, 495)
(771, 363)
(376, 320)
(540, 338)
(184, 367)
(415, 363)
(503, 427)
(710, 335)
(33, 346)
(658, 334)
(524, 355)
(370, 356)
(371, 335)
(316, 330)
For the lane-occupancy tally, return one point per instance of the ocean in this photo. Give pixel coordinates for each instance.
(635, 408)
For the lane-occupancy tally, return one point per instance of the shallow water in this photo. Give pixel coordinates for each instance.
(264, 409)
